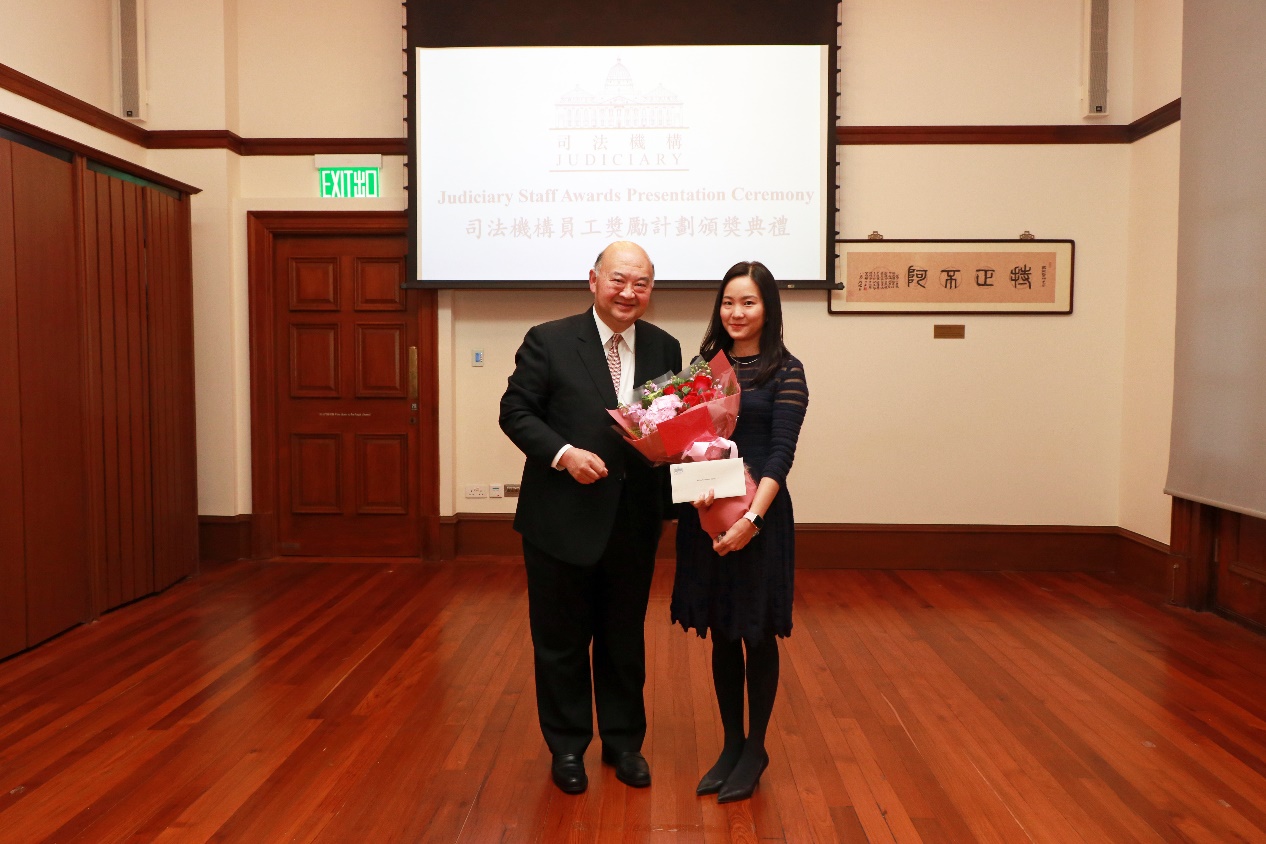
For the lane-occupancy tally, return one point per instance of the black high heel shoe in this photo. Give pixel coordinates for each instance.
(732, 792)
(710, 784)
(715, 777)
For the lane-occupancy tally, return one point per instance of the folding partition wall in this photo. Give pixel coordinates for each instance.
(98, 501)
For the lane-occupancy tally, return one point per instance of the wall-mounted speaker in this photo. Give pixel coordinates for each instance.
(1094, 70)
(131, 92)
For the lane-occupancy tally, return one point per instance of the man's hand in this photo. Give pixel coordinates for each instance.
(585, 466)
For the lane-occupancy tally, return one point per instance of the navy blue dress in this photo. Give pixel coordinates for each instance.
(747, 594)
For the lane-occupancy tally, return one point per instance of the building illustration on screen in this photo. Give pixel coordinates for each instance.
(619, 105)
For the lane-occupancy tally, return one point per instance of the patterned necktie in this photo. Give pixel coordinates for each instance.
(613, 362)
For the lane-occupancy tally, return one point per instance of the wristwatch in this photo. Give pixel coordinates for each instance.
(757, 521)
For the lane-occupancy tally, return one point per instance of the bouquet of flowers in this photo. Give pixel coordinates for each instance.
(696, 407)
(686, 418)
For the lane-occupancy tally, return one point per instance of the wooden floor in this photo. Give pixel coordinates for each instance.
(394, 703)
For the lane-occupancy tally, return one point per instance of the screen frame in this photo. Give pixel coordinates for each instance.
(569, 23)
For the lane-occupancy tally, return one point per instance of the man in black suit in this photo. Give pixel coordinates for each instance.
(590, 512)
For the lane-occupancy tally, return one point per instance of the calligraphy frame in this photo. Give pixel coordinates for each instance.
(856, 257)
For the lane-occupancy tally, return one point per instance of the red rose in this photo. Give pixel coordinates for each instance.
(701, 382)
(669, 389)
(692, 399)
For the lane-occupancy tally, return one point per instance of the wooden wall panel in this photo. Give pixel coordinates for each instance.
(54, 476)
(12, 556)
(116, 285)
(132, 350)
(1241, 570)
(98, 485)
(98, 300)
(174, 458)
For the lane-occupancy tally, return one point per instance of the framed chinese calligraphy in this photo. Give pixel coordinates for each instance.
(953, 277)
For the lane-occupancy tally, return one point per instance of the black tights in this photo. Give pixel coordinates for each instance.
(743, 757)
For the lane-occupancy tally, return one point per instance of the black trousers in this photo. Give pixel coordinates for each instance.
(572, 608)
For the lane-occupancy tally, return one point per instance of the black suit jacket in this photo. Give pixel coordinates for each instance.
(559, 393)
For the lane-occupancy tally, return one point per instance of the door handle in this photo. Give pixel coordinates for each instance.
(413, 373)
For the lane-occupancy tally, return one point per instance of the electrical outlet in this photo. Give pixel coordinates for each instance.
(494, 490)
(512, 490)
(477, 491)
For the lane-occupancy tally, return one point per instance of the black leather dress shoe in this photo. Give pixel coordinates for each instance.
(630, 767)
(568, 771)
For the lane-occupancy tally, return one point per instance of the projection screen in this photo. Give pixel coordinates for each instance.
(538, 133)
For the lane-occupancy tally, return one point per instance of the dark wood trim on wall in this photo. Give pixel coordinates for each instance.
(46, 95)
(956, 547)
(223, 139)
(92, 154)
(1164, 116)
(1134, 559)
(324, 146)
(904, 135)
(194, 139)
(89, 114)
(223, 539)
(1072, 134)
(1146, 564)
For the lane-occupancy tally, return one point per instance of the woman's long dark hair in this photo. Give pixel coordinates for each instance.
(772, 350)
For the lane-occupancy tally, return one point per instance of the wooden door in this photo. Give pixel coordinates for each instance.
(345, 346)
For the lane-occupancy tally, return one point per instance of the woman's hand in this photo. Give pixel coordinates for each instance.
(736, 538)
(704, 501)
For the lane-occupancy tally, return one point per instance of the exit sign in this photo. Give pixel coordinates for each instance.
(350, 183)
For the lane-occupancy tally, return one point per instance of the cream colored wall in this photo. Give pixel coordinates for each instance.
(275, 69)
(1021, 422)
(189, 54)
(1148, 385)
(927, 62)
(321, 69)
(1157, 50)
(62, 43)
(1017, 424)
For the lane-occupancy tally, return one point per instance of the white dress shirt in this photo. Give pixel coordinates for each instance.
(628, 345)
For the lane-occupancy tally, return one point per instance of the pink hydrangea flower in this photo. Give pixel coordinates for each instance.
(661, 410)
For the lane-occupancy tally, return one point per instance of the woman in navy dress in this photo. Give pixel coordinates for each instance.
(738, 585)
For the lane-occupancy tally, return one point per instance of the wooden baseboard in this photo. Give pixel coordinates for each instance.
(1129, 558)
(1146, 564)
(1132, 558)
(956, 547)
(223, 539)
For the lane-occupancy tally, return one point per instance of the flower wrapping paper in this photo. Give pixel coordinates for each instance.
(672, 438)
(698, 432)
(724, 512)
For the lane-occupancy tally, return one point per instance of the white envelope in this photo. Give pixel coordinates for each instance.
(693, 480)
